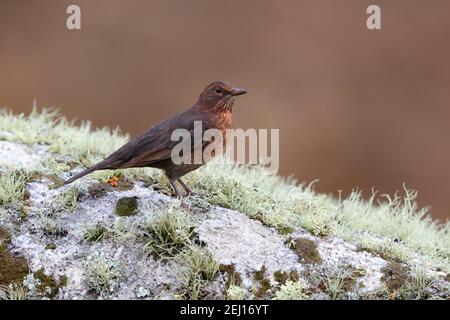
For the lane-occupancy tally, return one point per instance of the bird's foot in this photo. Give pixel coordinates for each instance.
(191, 193)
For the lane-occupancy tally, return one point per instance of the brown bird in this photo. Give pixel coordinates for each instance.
(153, 148)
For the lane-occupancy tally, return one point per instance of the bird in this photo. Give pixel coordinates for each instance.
(153, 148)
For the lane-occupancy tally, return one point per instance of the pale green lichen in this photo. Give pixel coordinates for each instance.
(169, 232)
(393, 225)
(102, 273)
(12, 186)
(198, 267)
(293, 291)
(235, 293)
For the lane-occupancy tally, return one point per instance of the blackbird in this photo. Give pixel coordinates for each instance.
(153, 147)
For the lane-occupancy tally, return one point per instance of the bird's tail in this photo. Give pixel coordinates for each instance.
(99, 166)
(79, 175)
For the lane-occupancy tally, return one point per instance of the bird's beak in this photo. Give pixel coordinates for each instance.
(238, 92)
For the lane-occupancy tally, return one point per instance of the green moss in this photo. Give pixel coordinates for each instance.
(126, 206)
(5, 237)
(47, 285)
(283, 204)
(56, 180)
(63, 281)
(394, 276)
(284, 230)
(99, 189)
(294, 276)
(263, 283)
(50, 246)
(234, 277)
(264, 286)
(281, 276)
(269, 221)
(306, 250)
(12, 269)
(261, 274)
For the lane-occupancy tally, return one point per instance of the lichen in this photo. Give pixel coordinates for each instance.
(293, 290)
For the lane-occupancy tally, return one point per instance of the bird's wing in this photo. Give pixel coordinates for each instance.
(147, 158)
(155, 145)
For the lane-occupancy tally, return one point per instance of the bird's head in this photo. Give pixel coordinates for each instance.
(219, 96)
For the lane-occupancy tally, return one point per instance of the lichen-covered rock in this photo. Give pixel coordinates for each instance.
(235, 239)
(93, 239)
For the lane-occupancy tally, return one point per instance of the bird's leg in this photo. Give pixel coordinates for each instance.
(175, 188)
(189, 192)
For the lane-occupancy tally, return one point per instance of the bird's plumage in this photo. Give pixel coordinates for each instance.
(153, 148)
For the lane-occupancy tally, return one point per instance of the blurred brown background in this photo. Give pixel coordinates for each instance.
(354, 107)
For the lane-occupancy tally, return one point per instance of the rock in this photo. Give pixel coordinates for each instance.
(235, 239)
(16, 155)
(255, 260)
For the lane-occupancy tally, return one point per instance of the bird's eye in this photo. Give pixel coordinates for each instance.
(218, 91)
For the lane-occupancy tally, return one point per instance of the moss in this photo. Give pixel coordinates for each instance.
(63, 281)
(234, 278)
(285, 230)
(348, 283)
(56, 180)
(394, 275)
(263, 283)
(294, 276)
(99, 189)
(26, 195)
(5, 237)
(47, 285)
(126, 206)
(50, 246)
(281, 228)
(281, 276)
(260, 275)
(264, 286)
(12, 269)
(306, 250)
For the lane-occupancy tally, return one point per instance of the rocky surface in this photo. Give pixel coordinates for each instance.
(258, 258)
